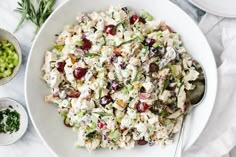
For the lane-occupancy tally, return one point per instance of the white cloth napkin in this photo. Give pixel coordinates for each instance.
(219, 136)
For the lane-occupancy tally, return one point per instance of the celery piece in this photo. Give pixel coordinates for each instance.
(146, 16)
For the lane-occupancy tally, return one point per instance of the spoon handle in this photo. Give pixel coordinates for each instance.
(178, 149)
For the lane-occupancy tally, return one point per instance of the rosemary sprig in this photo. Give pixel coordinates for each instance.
(36, 15)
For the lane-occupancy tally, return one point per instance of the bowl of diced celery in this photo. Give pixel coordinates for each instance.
(10, 56)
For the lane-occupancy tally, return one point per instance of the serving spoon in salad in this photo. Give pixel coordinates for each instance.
(195, 96)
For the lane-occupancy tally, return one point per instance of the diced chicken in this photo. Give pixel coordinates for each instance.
(121, 96)
(49, 57)
(152, 25)
(85, 92)
(164, 96)
(169, 56)
(83, 104)
(111, 75)
(187, 61)
(51, 99)
(181, 98)
(55, 78)
(141, 129)
(81, 138)
(135, 61)
(148, 86)
(175, 115)
(191, 75)
(126, 122)
(62, 37)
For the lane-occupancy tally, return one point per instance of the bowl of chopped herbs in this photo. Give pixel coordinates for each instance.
(10, 56)
(13, 121)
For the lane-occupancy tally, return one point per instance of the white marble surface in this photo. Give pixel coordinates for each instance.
(30, 144)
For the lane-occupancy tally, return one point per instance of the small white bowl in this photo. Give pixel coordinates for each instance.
(11, 38)
(7, 139)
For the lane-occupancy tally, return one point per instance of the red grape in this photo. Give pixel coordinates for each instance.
(60, 66)
(80, 72)
(110, 29)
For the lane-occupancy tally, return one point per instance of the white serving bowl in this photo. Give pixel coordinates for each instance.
(48, 122)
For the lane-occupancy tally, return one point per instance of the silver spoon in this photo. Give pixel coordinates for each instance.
(195, 97)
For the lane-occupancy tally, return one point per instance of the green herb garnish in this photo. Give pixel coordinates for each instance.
(116, 26)
(91, 135)
(182, 83)
(99, 91)
(36, 15)
(103, 114)
(9, 121)
(166, 84)
(91, 55)
(79, 43)
(126, 42)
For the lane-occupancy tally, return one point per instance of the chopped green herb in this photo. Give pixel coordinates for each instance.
(164, 113)
(9, 121)
(138, 76)
(91, 135)
(166, 84)
(137, 26)
(99, 92)
(116, 26)
(182, 83)
(103, 114)
(127, 42)
(91, 55)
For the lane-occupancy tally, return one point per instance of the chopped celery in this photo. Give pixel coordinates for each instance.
(9, 59)
(146, 16)
(79, 43)
(58, 47)
(114, 135)
(111, 43)
(80, 114)
(102, 41)
(129, 87)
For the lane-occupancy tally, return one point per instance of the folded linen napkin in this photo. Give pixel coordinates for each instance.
(219, 136)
